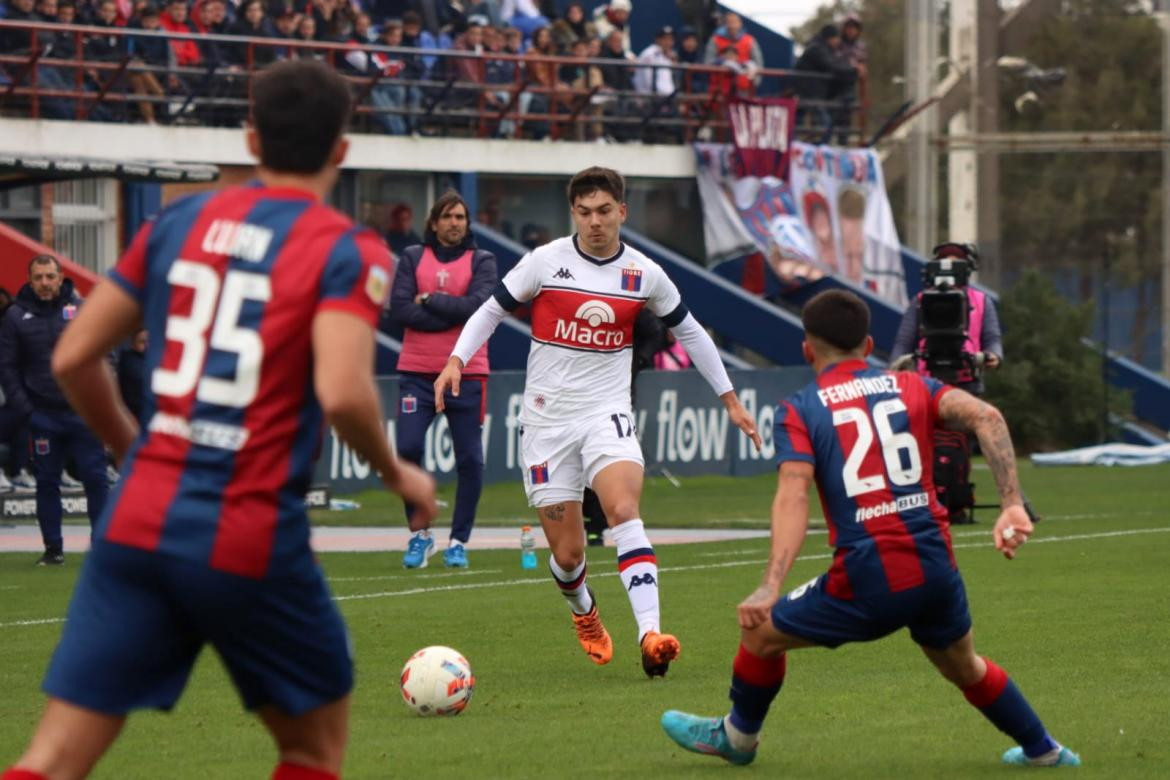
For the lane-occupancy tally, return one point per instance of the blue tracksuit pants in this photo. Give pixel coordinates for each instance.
(416, 410)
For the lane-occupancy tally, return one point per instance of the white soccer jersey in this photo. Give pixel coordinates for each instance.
(583, 312)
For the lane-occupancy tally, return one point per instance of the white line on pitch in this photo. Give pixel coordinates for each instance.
(435, 576)
(697, 567)
(702, 566)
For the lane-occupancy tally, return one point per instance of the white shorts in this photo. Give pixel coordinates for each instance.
(560, 460)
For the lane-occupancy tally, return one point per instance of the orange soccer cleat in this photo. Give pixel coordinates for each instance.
(592, 635)
(658, 650)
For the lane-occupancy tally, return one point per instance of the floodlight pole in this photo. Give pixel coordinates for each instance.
(921, 157)
(973, 172)
(1164, 22)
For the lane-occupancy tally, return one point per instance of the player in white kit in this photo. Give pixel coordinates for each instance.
(577, 421)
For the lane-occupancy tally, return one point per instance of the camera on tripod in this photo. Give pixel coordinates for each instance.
(944, 315)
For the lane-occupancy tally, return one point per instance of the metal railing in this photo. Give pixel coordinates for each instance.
(435, 92)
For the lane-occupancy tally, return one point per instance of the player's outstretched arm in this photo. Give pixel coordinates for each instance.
(960, 410)
(343, 356)
(702, 350)
(789, 526)
(110, 315)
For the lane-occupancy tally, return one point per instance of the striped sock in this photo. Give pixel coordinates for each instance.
(572, 585)
(1001, 702)
(22, 774)
(638, 568)
(755, 681)
(286, 771)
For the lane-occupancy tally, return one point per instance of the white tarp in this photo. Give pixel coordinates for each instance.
(1106, 455)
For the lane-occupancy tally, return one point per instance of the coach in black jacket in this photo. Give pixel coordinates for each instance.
(30, 330)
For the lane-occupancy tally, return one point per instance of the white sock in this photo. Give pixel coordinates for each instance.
(572, 585)
(452, 544)
(738, 739)
(638, 568)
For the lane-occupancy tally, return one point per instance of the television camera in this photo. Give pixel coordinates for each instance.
(944, 314)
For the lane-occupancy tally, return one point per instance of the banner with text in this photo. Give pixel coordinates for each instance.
(831, 217)
(682, 425)
(762, 131)
(842, 198)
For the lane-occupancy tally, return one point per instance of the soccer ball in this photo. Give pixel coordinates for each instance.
(437, 681)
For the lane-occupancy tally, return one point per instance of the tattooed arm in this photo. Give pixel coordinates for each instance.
(789, 525)
(962, 411)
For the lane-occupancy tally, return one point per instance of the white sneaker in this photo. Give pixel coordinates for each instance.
(68, 482)
(24, 482)
(5, 484)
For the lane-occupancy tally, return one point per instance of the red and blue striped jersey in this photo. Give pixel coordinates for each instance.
(229, 283)
(869, 435)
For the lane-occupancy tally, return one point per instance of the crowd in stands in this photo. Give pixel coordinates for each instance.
(170, 81)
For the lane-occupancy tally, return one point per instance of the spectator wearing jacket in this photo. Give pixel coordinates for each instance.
(730, 45)
(573, 27)
(524, 15)
(131, 374)
(614, 16)
(836, 78)
(252, 22)
(438, 285)
(174, 20)
(31, 327)
(17, 41)
(853, 48)
(658, 80)
(387, 94)
(13, 432)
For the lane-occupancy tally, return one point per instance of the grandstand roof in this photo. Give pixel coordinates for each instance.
(20, 170)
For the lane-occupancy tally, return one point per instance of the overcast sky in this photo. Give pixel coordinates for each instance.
(780, 15)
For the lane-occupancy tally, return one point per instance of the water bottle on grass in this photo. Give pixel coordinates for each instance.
(527, 548)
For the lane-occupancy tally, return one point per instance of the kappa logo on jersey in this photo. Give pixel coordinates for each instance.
(631, 279)
(409, 404)
(539, 473)
(641, 579)
(563, 273)
(441, 278)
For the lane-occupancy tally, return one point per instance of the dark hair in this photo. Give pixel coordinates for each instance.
(300, 109)
(44, 259)
(442, 203)
(837, 317)
(595, 178)
(829, 31)
(411, 17)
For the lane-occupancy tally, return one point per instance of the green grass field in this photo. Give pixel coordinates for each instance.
(1080, 620)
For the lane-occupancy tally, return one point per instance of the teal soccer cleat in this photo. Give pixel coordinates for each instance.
(455, 557)
(418, 550)
(703, 735)
(1062, 756)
